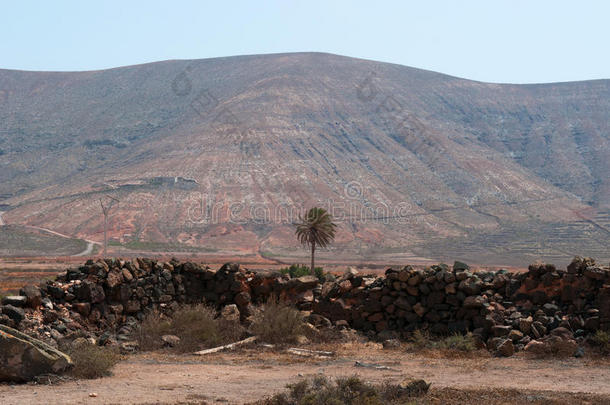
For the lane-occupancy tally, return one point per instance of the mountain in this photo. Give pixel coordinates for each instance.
(222, 154)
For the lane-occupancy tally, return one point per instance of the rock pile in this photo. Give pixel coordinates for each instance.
(507, 311)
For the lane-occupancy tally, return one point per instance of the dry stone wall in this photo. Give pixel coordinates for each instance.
(499, 307)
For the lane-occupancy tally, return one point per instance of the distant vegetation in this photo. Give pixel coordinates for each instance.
(161, 247)
(16, 240)
(299, 270)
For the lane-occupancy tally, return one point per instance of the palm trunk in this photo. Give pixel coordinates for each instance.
(313, 250)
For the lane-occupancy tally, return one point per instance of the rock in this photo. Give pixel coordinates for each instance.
(23, 357)
(242, 299)
(391, 344)
(419, 309)
(33, 295)
(525, 325)
(515, 335)
(114, 278)
(230, 313)
(15, 300)
(595, 273)
(537, 348)
(500, 330)
(506, 348)
(460, 266)
(474, 302)
(304, 283)
(342, 324)
(563, 333)
(128, 347)
(579, 264)
(230, 267)
(16, 314)
(83, 308)
(318, 321)
(170, 340)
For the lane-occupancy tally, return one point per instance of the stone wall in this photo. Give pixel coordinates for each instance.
(105, 294)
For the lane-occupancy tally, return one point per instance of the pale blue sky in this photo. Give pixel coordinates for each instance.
(497, 41)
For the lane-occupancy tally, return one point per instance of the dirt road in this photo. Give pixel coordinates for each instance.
(249, 375)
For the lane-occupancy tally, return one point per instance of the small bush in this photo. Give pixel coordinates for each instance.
(299, 270)
(421, 340)
(462, 343)
(92, 361)
(196, 326)
(601, 339)
(276, 322)
(345, 391)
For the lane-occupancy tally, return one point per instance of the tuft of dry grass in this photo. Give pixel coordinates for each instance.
(601, 339)
(92, 361)
(276, 322)
(453, 346)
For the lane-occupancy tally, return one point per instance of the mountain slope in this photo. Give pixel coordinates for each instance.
(223, 153)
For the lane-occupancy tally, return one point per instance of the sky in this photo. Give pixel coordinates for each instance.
(495, 41)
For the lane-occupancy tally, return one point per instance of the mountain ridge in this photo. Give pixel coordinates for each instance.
(303, 129)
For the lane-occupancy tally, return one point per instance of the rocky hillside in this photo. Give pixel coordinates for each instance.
(221, 154)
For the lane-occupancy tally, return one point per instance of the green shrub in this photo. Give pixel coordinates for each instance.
(299, 270)
(276, 322)
(92, 361)
(463, 343)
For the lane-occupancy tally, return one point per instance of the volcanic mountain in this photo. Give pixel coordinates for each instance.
(223, 154)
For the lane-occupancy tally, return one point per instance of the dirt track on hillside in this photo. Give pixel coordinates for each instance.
(251, 374)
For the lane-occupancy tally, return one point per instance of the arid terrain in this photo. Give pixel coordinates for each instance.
(221, 155)
(252, 374)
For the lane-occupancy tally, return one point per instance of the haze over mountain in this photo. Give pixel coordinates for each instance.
(221, 154)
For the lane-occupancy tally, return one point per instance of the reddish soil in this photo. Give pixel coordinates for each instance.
(255, 373)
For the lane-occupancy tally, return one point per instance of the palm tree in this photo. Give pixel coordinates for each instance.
(317, 228)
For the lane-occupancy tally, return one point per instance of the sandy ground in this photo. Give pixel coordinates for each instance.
(251, 374)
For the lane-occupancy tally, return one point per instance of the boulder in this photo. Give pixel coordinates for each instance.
(170, 340)
(33, 295)
(16, 314)
(22, 357)
(15, 300)
(460, 266)
(506, 348)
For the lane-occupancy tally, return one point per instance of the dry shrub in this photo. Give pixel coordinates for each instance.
(276, 322)
(456, 345)
(601, 339)
(92, 361)
(345, 390)
(196, 326)
(150, 330)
